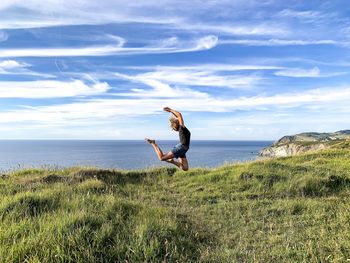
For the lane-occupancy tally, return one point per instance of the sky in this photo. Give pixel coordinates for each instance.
(235, 69)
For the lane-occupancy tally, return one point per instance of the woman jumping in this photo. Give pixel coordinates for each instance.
(179, 151)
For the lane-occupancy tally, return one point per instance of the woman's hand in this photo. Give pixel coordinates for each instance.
(167, 109)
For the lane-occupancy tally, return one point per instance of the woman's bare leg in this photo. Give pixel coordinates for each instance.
(160, 154)
(168, 157)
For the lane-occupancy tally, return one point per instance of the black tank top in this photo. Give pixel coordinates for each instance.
(185, 136)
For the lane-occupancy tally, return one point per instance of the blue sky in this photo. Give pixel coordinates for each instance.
(237, 70)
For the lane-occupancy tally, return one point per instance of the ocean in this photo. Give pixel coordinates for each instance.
(20, 154)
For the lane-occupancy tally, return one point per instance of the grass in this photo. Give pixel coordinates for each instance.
(293, 209)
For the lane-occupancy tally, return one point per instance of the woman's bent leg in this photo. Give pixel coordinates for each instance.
(160, 154)
(182, 164)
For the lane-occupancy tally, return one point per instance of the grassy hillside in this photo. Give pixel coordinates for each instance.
(294, 209)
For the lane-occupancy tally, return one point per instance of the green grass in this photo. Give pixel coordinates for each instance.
(293, 209)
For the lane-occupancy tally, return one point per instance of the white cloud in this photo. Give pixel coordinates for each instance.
(179, 13)
(109, 113)
(281, 42)
(261, 29)
(308, 15)
(208, 67)
(299, 73)
(193, 78)
(118, 48)
(3, 36)
(35, 13)
(49, 89)
(207, 42)
(160, 90)
(106, 109)
(206, 75)
(12, 67)
(12, 64)
(170, 15)
(200, 78)
(306, 73)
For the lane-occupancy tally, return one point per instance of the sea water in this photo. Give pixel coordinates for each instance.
(20, 154)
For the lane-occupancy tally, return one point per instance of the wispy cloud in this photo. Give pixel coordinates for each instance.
(299, 73)
(12, 67)
(208, 67)
(118, 48)
(50, 89)
(262, 29)
(204, 43)
(37, 14)
(307, 15)
(162, 90)
(107, 109)
(200, 75)
(306, 73)
(3, 36)
(281, 42)
(190, 78)
(12, 64)
(178, 14)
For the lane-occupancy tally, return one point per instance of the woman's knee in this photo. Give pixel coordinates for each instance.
(184, 167)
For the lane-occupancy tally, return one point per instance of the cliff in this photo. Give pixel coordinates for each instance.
(304, 142)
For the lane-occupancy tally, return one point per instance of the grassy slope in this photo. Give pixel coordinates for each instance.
(294, 209)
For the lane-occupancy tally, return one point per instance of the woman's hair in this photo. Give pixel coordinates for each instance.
(174, 123)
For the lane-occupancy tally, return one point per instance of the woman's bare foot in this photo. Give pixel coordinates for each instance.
(150, 141)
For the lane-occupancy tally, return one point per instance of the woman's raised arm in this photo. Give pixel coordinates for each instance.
(177, 114)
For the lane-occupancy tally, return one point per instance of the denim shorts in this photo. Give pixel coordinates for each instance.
(179, 151)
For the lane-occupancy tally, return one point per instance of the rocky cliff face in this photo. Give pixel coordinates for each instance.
(303, 142)
(291, 149)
